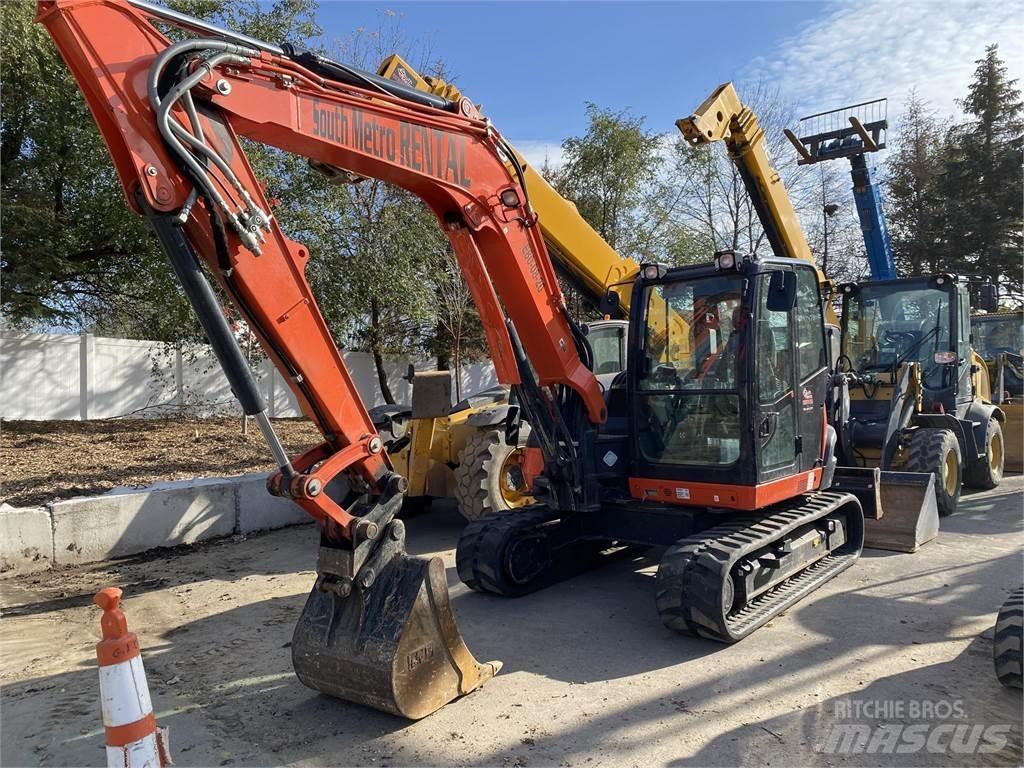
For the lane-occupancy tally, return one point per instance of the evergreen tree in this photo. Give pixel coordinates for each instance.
(983, 185)
(913, 199)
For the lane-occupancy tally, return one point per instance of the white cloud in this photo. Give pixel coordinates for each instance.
(876, 48)
(536, 152)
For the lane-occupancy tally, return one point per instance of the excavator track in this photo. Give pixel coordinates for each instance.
(700, 580)
(515, 552)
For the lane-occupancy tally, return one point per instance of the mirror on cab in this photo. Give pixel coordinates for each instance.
(609, 304)
(781, 291)
(988, 297)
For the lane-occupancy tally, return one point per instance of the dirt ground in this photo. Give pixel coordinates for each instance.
(591, 677)
(45, 460)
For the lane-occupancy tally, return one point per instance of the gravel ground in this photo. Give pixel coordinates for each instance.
(41, 461)
(591, 678)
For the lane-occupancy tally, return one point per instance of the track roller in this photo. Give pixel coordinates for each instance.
(727, 581)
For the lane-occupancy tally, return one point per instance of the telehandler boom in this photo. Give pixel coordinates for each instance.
(713, 442)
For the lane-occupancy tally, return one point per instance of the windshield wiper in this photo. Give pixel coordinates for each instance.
(914, 347)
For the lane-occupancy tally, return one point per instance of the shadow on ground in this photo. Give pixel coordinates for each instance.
(224, 683)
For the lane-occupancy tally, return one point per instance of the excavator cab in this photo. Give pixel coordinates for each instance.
(731, 378)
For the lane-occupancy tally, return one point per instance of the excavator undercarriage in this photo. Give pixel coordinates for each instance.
(721, 577)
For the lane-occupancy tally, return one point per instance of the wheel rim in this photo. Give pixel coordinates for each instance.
(511, 482)
(949, 473)
(995, 453)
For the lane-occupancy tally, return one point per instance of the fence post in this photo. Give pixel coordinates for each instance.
(86, 355)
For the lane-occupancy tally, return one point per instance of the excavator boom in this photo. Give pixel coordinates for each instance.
(377, 627)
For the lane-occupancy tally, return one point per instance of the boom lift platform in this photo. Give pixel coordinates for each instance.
(853, 132)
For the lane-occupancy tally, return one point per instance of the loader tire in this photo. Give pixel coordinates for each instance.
(1008, 640)
(937, 451)
(488, 478)
(986, 472)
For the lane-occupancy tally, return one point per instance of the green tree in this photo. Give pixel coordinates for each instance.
(74, 256)
(615, 175)
(914, 200)
(983, 186)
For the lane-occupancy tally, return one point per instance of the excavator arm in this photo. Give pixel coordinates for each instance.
(172, 116)
(166, 143)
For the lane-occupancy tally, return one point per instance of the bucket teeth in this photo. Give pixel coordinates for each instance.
(393, 645)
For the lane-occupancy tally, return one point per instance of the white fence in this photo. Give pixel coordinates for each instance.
(52, 376)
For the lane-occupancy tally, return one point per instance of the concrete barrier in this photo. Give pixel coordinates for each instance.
(127, 521)
(26, 540)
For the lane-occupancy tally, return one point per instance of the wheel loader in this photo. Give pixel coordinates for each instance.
(919, 396)
(463, 450)
(714, 441)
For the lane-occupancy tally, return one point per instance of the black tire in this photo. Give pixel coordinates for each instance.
(987, 472)
(477, 476)
(1008, 640)
(930, 452)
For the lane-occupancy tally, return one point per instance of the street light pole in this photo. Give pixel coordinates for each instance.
(828, 210)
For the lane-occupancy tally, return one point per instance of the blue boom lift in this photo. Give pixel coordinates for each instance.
(852, 132)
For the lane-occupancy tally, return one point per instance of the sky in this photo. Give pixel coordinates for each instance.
(533, 66)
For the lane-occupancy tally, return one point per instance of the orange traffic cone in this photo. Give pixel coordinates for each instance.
(133, 739)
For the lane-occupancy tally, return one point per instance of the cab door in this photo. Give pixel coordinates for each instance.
(774, 384)
(812, 369)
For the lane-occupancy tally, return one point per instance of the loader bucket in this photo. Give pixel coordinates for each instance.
(900, 512)
(393, 646)
(1013, 435)
(910, 515)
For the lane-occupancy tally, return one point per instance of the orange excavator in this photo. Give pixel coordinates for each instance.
(714, 441)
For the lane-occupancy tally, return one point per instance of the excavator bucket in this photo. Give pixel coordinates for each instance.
(900, 510)
(391, 643)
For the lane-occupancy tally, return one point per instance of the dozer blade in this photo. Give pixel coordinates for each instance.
(910, 515)
(391, 643)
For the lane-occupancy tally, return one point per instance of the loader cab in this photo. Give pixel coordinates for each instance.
(922, 320)
(727, 381)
